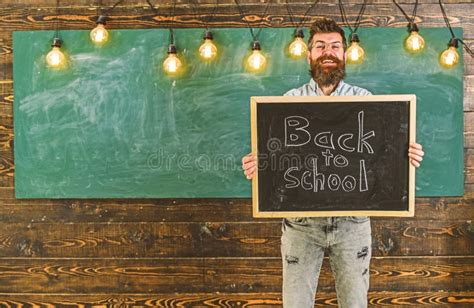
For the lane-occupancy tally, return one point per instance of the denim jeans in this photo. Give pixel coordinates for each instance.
(348, 242)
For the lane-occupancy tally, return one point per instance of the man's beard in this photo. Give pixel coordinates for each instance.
(326, 77)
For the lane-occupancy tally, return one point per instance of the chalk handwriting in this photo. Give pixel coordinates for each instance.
(313, 178)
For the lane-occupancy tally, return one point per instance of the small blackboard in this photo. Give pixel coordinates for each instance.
(333, 155)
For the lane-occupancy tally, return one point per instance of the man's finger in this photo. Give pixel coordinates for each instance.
(416, 146)
(249, 165)
(248, 158)
(250, 173)
(417, 152)
(415, 163)
(415, 157)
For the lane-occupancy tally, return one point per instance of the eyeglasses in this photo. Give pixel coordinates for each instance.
(321, 46)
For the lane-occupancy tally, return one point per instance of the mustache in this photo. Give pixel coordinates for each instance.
(328, 57)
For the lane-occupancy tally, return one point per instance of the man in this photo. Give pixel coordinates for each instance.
(347, 239)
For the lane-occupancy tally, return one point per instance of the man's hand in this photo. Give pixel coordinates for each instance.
(249, 164)
(415, 152)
